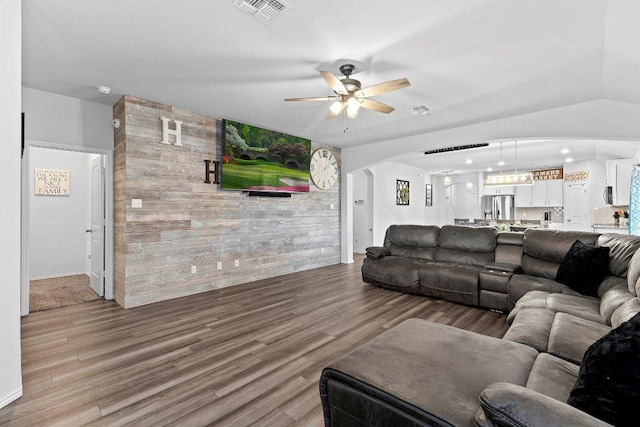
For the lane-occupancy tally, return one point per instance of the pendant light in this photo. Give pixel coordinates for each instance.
(515, 178)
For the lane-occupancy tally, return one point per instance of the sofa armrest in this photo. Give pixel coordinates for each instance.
(504, 267)
(377, 252)
(507, 404)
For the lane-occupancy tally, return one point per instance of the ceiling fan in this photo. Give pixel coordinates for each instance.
(350, 96)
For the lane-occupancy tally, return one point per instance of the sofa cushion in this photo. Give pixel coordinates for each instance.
(509, 405)
(521, 284)
(466, 245)
(625, 312)
(392, 272)
(578, 305)
(571, 336)
(544, 250)
(453, 282)
(633, 274)
(429, 366)
(412, 241)
(584, 267)
(608, 385)
(612, 300)
(552, 245)
(552, 376)
(470, 239)
(622, 247)
(531, 327)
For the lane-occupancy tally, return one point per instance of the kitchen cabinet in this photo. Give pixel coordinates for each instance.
(541, 194)
(497, 190)
(619, 178)
(523, 196)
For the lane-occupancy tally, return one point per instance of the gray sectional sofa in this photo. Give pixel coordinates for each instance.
(424, 373)
(481, 267)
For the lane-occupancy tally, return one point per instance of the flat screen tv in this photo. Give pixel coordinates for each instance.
(261, 160)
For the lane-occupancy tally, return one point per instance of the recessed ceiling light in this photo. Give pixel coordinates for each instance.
(469, 161)
(105, 90)
(564, 151)
(568, 160)
(489, 169)
(501, 163)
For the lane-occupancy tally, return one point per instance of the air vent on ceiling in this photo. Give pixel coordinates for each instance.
(265, 11)
(457, 148)
(421, 109)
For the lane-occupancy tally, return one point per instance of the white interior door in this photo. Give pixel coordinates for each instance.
(97, 226)
(576, 214)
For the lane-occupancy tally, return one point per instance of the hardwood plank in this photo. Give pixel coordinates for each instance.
(244, 355)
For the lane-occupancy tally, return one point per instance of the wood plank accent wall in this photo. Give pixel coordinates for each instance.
(184, 222)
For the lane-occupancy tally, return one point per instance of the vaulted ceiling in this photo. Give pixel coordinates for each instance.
(470, 61)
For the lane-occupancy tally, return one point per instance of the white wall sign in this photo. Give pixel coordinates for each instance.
(51, 182)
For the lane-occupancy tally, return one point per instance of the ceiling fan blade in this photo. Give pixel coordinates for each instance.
(334, 112)
(376, 106)
(385, 87)
(319, 98)
(334, 82)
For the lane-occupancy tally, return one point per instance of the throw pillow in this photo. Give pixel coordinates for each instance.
(608, 385)
(584, 267)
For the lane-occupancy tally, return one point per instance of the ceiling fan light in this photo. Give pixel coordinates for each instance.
(352, 113)
(336, 107)
(353, 104)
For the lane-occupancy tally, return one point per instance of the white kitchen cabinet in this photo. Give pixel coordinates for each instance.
(555, 190)
(619, 178)
(523, 196)
(497, 190)
(540, 194)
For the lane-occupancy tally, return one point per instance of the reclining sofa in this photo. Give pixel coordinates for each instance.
(424, 373)
(481, 267)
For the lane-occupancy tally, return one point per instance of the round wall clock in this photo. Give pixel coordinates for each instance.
(324, 169)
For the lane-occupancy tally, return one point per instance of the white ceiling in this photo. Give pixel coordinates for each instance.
(470, 61)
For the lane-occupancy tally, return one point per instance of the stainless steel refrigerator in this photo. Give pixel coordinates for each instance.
(497, 207)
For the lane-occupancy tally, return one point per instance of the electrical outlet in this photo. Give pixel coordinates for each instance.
(193, 269)
(332, 206)
(219, 265)
(237, 263)
(322, 250)
(136, 203)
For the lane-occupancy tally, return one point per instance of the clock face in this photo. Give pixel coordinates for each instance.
(324, 169)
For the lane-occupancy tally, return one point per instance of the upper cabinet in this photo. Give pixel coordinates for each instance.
(497, 190)
(619, 178)
(541, 194)
(523, 196)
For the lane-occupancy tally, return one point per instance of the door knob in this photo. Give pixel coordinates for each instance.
(88, 231)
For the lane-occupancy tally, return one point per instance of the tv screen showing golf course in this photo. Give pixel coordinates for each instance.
(256, 159)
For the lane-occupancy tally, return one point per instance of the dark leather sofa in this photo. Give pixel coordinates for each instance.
(424, 373)
(479, 266)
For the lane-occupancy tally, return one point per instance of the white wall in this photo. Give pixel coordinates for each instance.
(594, 187)
(460, 199)
(385, 210)
(10, 177)
(360, 211)
(64, 120)
(58, 240)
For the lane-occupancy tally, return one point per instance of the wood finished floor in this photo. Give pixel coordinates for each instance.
(246, 355)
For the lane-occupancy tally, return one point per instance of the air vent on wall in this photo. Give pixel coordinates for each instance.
(265, 11)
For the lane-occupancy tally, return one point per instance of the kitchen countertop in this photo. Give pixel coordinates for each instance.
(621, 226)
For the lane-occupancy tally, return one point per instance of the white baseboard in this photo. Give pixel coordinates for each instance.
(55, 276)
(13, 396)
